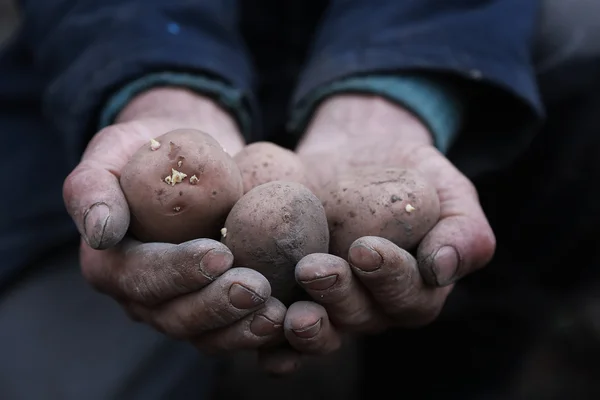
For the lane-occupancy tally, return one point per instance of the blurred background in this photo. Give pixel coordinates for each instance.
(8, 18)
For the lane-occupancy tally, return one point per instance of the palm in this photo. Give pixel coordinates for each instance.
(462, 224)
(118, 142)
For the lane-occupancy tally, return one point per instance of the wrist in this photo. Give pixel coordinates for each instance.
(363, 122)
(355, 131)
(434, 99)
(185, 109)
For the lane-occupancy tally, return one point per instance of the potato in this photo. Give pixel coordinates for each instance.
(274, 226)
(263, 162)
(396, 204)
(180, 187)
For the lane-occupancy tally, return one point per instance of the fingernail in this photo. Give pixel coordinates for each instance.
(94, 223)
(263, 326)
(309, 331)
(365, 258)
(244, 298)
(214, 263)
(320, 283)
(445, 265)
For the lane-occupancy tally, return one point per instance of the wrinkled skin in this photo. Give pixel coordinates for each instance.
(188, 291)
(382, 285)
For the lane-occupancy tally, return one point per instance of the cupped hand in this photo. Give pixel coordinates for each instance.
(380, 285)
(188, 291)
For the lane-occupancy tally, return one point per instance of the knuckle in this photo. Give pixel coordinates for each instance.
(410, 307)
(195, 318)
(213, 313)
(111, 130)
(488, 242)
(488, 248)
(413, 155)
(398, 292)
(140, 288)
(468, 188)
(483, 243)
(174, 325)
(219, 314)
(67, 186)
(356, 320)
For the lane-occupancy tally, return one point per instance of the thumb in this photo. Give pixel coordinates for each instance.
(462, 241)
(92, 193)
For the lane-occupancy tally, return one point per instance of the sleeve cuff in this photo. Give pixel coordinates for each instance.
(226, 96)
(437, 105)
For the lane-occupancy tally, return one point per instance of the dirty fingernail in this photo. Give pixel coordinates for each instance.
(214, 263)
(445, 265)
(94, 224)
(365, 258)
(320, 283)
(263, 326)
(244, 298)
(309, 331)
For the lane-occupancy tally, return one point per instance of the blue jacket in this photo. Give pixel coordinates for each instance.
(67, 66)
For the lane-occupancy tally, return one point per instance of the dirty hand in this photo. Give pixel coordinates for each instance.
(188, 291)
(381, 285)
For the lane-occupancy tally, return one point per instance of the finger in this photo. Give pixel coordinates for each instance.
(132, 312)
(280, 360)
(392, 277)
(152, 273)
(308, 330)
(329, 280)
(234, 295)
(462, 241)
(95, 202)
(261, 328)
(92, 193)
(94, 198)
(454, 248)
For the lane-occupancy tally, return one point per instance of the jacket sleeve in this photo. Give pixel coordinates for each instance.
(89, 49)
(482, 47)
